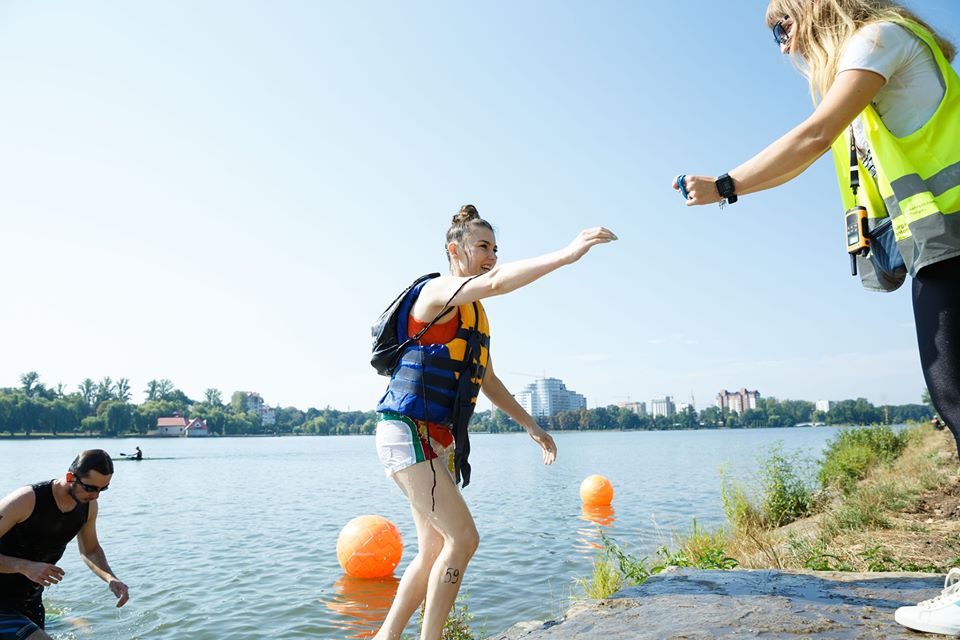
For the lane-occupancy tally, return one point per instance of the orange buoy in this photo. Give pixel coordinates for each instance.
(369, 547)
(596, 490)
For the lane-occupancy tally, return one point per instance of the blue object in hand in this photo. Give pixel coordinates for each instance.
(681, 182)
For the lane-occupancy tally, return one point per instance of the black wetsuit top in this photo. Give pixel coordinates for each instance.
(42, 537)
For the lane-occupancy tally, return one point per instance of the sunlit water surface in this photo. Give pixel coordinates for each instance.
(235, 537)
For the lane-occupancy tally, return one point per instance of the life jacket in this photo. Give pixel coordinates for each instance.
(918, 178)
(440, 383)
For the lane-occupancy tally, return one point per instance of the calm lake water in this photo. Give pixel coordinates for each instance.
(235, 537)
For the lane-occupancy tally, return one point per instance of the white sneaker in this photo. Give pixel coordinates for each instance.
(937, 615)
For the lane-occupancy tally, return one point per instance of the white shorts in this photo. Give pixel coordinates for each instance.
(401, 444)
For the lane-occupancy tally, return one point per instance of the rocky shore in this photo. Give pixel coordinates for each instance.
(693, 604)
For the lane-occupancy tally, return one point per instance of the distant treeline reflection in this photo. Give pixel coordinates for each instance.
(105, 408)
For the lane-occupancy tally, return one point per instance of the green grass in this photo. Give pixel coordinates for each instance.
(854, 452)
(814, 554)
(786, 493)
(604, 581)
(459, 623)
(882, 559)
(865, 507)
(787, 488)
(699, 548)
(614, 568)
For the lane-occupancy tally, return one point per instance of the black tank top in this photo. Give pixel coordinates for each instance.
(42, 537)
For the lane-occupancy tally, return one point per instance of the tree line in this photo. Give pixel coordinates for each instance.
(106, 408)
(770, 412)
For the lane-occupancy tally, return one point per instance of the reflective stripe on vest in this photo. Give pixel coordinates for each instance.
(918, 175)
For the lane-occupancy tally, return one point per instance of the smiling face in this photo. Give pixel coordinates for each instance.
(476, 252)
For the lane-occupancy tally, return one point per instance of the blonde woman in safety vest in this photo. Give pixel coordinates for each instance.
(887, 103)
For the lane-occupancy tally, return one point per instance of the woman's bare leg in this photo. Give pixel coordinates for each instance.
(453, 521)
(413, 585)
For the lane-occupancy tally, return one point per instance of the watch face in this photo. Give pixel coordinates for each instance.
(725, 186)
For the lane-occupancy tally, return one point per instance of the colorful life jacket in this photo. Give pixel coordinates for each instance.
(918, 177)
(440, 383)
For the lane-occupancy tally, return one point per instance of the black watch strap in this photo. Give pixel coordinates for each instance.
(726, 188)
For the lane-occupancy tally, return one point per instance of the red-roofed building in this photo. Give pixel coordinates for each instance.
(196, 429)
(170, 427)
(175, 427)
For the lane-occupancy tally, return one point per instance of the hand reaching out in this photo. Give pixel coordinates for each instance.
(587, 239)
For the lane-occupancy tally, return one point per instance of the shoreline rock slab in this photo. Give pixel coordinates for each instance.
(694, 604)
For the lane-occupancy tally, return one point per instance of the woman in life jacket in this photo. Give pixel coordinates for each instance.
(888, 106)
(421, 433)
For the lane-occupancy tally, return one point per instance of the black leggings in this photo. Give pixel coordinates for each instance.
(936, 310)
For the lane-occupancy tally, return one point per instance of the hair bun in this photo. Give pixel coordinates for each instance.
(467, 213)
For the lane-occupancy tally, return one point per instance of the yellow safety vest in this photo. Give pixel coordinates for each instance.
(918, 176)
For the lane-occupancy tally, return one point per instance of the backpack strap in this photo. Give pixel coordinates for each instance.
(444, 311)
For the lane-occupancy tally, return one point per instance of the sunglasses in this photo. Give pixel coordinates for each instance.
(89, 488)
(780, 33)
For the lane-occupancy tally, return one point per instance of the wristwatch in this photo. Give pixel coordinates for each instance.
(726, 189)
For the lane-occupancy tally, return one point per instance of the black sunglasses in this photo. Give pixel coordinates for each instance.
(89, 488)
(779, 33)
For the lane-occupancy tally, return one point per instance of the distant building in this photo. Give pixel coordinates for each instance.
(169, 427)
(824, 405)
(546, 397)
(268, 416)
(737, 401)
(255, 403)
(639, 408)
(683, 406)
(177, 426)
(663, 406)
(196, 429)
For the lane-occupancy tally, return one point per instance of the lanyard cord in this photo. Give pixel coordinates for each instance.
(854, 165)
(423, 387)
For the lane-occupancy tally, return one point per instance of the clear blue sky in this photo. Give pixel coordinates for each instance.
(227, 194)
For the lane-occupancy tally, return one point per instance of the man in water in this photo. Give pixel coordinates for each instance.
(137, 455)
(36, 523)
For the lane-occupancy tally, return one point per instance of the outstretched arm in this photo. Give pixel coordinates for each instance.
(788, 157)
(94, 557)
(498, 394)
(504, 278)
